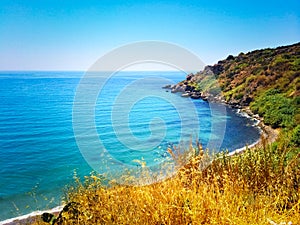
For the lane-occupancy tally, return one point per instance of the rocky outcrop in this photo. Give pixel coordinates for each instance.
(187, 90)
(178, 88)
(238, 80)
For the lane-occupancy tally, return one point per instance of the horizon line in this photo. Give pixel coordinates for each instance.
(96, 71)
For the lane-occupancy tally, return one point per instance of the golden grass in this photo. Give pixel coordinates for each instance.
(260, 186)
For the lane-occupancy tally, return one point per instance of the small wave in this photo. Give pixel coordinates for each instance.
(32, 214)
(239, 150)
(243, 114)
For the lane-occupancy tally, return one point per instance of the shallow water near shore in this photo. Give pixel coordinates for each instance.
(38, 150)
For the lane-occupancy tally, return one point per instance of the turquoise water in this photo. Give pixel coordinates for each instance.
(38, 148)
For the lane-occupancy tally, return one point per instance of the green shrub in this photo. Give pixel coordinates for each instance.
(295, 140)
(277, 110)
(295, 65)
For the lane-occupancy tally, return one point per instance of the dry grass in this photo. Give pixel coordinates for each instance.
(260, 186)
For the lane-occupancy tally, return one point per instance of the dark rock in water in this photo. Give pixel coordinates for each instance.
(195, 96)
(205, 98)
(178, 88)
(169, 86)
(234, 103)
(189, 88)
(189, 77)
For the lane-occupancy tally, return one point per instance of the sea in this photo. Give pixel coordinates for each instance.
(56, 124)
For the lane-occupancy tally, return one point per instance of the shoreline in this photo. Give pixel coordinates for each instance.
(267, 135)
(30, 217)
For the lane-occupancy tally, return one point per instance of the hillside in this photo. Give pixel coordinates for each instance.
(260, 186)
(260, 76)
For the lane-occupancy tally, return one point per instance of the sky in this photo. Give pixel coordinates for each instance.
(73, 34)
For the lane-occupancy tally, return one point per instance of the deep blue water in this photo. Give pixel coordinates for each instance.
(38, 149)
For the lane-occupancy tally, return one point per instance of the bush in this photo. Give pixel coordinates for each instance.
(250, 188)
(277, 110)
(295, 140)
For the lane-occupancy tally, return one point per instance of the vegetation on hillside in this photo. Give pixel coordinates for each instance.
(260, 186)
(277, 109)
(268, 80)
(246, 76)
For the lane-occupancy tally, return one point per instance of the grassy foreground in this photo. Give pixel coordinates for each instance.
(260, 186)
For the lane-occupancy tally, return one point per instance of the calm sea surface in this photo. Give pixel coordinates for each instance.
(38, 148)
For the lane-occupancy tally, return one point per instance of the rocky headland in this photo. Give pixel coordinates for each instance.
(251, 82)
(239, 80)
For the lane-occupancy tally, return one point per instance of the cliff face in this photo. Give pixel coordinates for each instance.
(240, 79)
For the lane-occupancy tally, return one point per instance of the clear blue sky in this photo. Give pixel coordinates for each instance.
(71, 35)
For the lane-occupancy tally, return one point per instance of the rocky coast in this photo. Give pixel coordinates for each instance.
(188, 88)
